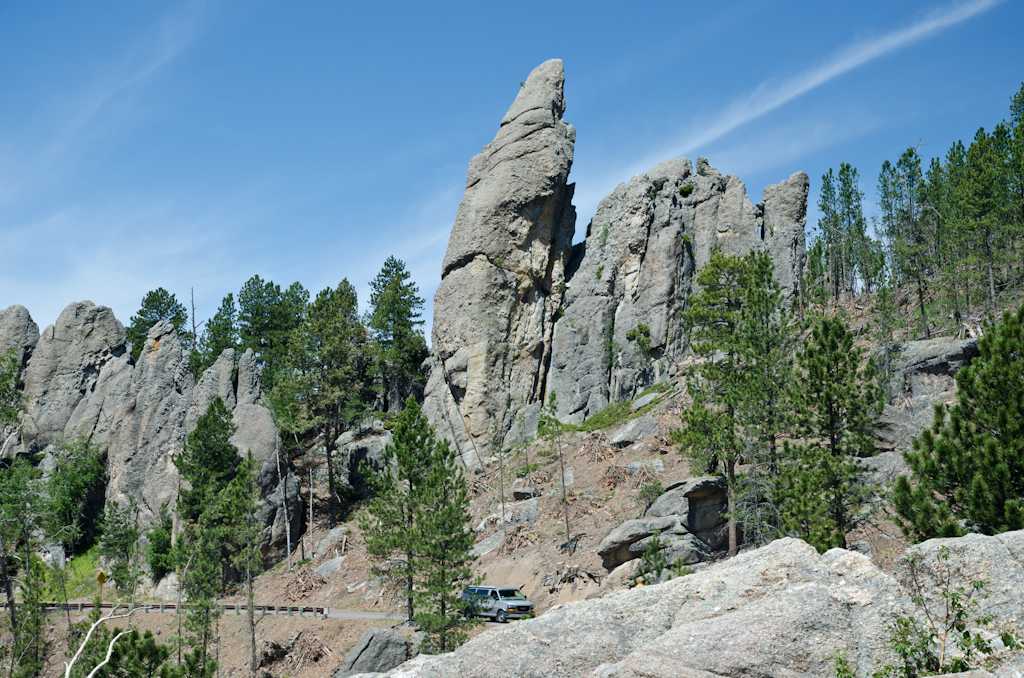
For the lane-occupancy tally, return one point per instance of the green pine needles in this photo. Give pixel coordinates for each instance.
(417, 527)
(968, 469)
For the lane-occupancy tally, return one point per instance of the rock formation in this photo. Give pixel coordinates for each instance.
(18, 333)
(781, 610)
(80, 381)
(689, 518)
(519, 315)
(503, 274)
(636, 267)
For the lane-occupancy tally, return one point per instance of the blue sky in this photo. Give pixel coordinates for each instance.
(195, 144)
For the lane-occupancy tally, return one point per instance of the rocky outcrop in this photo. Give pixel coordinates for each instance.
(922, 374)
(781, 610)
(18, 333)
(379, 649)
(63, 388)
(519, 316)
(80, 381)
(503, 274)
(354, 448)
(636, 268)
(689, 519)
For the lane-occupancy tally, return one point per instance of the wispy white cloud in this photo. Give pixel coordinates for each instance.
(87, 114)
(771, 95)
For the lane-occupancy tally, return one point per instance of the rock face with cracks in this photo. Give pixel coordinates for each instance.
(503, 275)
(520, 314)
(620, 330)
(79, 380)
(781, 610)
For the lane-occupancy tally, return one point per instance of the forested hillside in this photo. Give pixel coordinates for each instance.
(776, 371)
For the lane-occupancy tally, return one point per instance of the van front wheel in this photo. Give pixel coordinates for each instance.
(500, 617)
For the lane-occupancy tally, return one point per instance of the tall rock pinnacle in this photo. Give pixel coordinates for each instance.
(503, 274)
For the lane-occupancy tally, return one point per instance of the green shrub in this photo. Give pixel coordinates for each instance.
(159, 555)
(648, 494)
(686, 190)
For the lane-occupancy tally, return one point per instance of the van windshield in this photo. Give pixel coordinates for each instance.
(511, 594)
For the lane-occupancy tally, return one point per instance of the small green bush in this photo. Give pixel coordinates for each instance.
(686, 190)
(600, 270)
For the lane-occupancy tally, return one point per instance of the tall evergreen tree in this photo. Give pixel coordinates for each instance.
(207, 460)
(157, 305)
(969, 467)
(445, 550)
(836, 408)
(323, 386)
(119, 542)
(74, 489)
(390, 526)
(739, 322)
(394, 319)
(267, 317)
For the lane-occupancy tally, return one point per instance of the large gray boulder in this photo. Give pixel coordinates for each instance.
(503, 273)
(361, 445)
(778, 611)
(65, 368)
(689, 519)
(379, 649)
(636, 267)
(18, 333)
(923, 374)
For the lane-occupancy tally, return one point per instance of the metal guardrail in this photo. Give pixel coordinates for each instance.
(146, 608)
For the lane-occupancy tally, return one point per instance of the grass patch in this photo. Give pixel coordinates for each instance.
(79, 575)
(526, 468)
(615, 413)
(660, 387)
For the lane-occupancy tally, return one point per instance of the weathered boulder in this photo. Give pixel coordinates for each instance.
(331, 539)
(614, 549)
(689, 518)
(922, 374)
(379, 649)
(636, 267)
(329, 567)
(777, 611)
(503, 274)
(361, 445)
(64, 370)
(634, 430)
(18, 333)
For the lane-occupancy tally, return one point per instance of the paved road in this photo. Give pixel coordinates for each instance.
(231, 609)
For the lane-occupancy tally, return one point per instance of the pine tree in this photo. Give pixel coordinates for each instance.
(207, 460)
(394, 319)
(219, 333)
(444, 548)
(740, 324)
(267, 317)
(241, 530)
(119, 539)
(322, 388)
(74, 488)
(389, 524)
(157, 305)
(969, 467)
(836, 408)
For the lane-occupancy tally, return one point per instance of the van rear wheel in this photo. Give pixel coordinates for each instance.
(500, 617)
